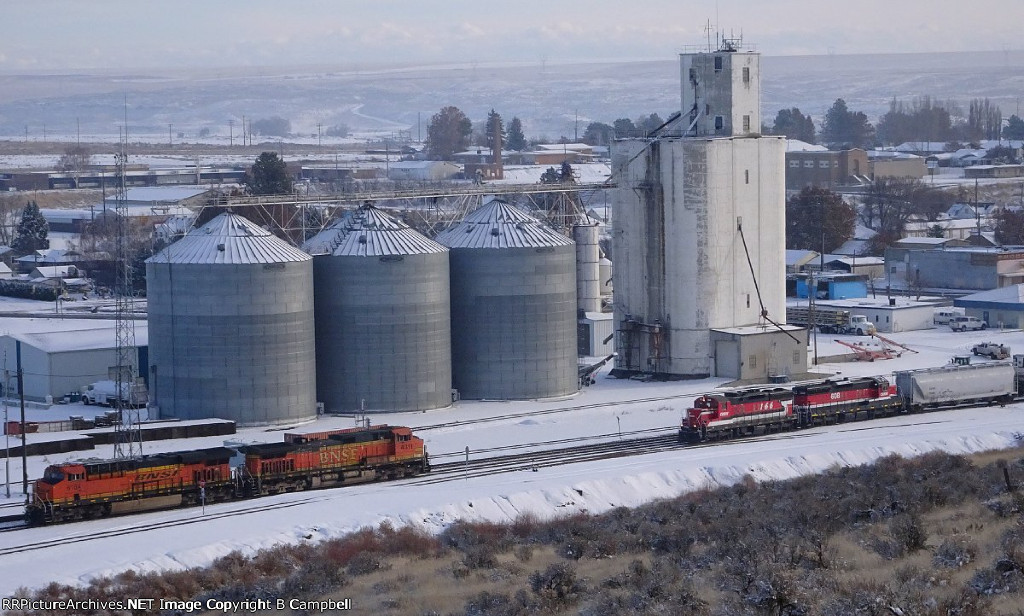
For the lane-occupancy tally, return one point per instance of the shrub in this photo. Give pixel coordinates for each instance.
(557, 586)
(908, 531)
(954, 553)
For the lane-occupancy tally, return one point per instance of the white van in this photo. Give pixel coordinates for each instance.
(943, 317)
(962, 324)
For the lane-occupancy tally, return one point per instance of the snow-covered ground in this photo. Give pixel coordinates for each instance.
(594, 487)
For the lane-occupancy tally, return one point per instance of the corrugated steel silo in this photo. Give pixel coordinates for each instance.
(513, 287)
(231, 326)
(383, 316)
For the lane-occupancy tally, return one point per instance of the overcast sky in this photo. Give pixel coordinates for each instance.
(65, 34)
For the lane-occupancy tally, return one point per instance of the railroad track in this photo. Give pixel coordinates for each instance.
(562, 409)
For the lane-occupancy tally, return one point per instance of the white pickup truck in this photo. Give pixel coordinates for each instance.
(963, 324)
(104, 393)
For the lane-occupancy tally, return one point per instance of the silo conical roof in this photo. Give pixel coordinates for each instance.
(497, 224)
(229, 239)
(368, 231)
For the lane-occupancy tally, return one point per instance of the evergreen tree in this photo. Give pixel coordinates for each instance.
(268, 176)
(494, 122)
(1009, 227)
(598, 133)
(448, 133)
(32, 230)
(516, 138)
(846, 128)
(624, 128)
(1014, 128)
(794, 124)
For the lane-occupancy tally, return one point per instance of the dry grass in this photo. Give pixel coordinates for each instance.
(931, 536)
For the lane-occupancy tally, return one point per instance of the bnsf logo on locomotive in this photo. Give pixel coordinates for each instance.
(343, 454)
(156, 475)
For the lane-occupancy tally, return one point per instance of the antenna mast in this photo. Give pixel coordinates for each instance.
(127, 434)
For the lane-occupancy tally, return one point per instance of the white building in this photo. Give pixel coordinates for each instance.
(699, 229)
(66, 358)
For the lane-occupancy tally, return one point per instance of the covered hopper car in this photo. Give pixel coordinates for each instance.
(95, 488)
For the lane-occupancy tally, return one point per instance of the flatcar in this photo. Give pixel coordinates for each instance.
(379, 452)
(95, 488)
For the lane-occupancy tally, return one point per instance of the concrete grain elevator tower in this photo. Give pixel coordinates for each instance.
(688, 198)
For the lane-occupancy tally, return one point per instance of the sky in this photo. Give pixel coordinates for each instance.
(55, 35)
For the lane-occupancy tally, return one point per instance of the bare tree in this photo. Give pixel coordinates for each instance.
(76, 158)
(10, 213)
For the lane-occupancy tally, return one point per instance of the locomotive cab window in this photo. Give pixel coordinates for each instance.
(53, 475)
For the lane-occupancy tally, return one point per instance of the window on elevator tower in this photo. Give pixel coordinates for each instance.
(746, 75)
(718, 64)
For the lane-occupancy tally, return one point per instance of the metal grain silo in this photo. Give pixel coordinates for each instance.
(231, 326)
(383, 317)
(513, 284)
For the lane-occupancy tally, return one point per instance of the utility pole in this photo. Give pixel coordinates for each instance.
(231, 132)
(7, 433)
(170, 140)
(24, 440)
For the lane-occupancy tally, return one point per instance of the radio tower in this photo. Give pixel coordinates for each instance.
(127, 435)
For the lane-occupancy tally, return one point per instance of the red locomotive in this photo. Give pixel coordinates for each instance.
(95, 488)
(831, 400)
(739, 412)
(736, 412)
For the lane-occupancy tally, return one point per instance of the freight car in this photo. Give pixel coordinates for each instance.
(835, 400)
(96, 488)
(952, 385)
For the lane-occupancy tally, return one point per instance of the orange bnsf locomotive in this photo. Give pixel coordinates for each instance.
(344, 457)
(735, 413)
(97, 488)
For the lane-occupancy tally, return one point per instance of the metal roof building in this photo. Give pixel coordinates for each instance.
(513, 289)
(383, 316)
(231, 326)
(61, 357)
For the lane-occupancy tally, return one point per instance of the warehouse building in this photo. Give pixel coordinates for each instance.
(60, 361)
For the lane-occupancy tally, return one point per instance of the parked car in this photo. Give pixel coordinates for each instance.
(943, 317)
(963, 324)
(992, 350)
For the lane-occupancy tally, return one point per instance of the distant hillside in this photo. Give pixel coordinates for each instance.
(553, 100)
